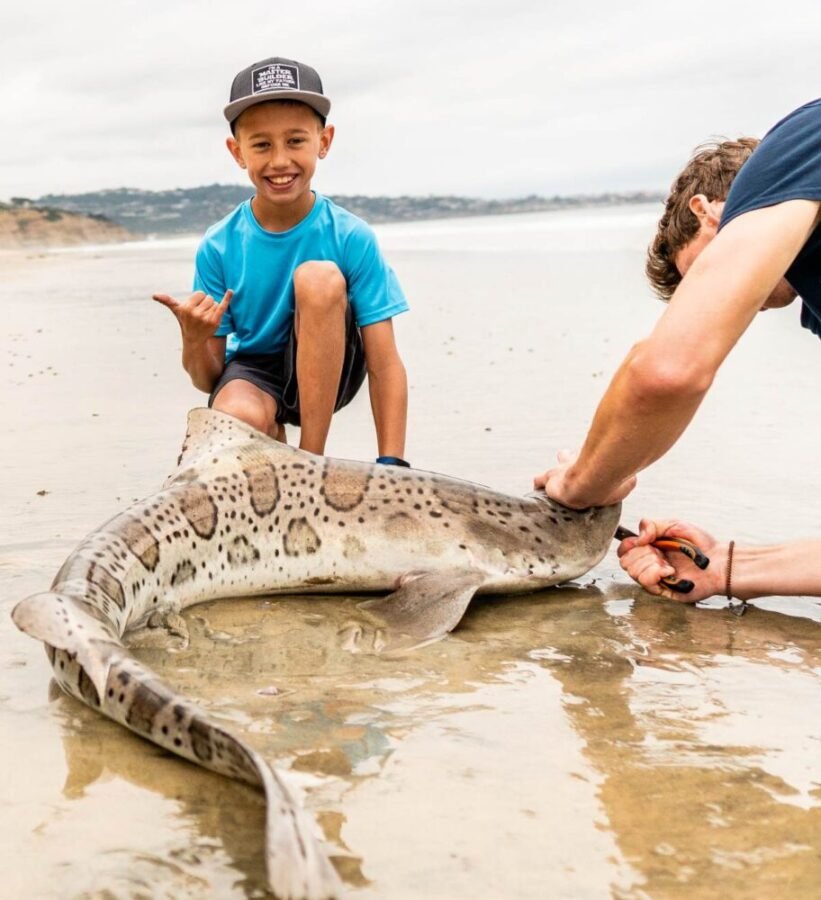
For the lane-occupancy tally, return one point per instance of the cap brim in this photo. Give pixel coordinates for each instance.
(318, 102)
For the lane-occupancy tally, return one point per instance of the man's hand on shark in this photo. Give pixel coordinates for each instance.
(558, 484)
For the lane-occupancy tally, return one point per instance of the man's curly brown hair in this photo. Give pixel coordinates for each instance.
(710, 171)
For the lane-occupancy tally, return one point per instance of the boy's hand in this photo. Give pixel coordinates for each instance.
(648, 565)
(199, 315)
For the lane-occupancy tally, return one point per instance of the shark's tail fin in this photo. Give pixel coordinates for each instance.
(90, 663)
(290, 838)
(137, 698)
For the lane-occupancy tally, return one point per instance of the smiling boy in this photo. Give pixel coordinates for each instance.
(307, 300)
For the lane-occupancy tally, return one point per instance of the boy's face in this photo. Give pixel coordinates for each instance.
(279, 145)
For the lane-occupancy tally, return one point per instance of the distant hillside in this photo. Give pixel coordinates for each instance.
(23, 224)
(192, 210)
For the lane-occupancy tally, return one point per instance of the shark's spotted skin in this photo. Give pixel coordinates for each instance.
(300, 539)
(244, 515)
(140, 541)
(263, 489)
(343, 487)
(199, 509)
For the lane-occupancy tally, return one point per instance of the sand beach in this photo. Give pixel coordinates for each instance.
(588, 741)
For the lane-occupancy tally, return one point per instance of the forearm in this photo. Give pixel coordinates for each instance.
(388, 388)
(203, 354)
(639, 418)
(203, 364)
(782, 569)
(659, 387)
(790, 569)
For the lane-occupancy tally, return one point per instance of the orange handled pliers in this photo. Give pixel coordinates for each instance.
(683, 585)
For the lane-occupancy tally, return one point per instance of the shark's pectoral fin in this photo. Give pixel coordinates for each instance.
(426, 607)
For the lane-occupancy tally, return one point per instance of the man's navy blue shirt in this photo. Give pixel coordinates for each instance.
(786, 165)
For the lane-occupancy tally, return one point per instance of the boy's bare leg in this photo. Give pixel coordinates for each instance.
(253, 406)
(321, 300)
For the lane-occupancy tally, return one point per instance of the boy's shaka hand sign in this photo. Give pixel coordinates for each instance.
(199, 315)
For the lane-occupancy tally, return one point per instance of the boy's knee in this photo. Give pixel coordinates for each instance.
(319, 284)
(249, 413)
(243, 405)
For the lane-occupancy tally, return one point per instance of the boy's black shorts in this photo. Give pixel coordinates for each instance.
(275, 373)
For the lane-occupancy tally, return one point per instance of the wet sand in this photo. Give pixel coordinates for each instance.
(587, 741)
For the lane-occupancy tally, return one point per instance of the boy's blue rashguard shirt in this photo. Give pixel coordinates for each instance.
(258, 265)
(786, 165)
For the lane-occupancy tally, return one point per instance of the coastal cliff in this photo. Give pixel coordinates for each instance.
(193, 210)
(34, 226)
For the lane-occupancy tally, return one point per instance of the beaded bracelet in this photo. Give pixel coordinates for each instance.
(737, 609)
(728, 587)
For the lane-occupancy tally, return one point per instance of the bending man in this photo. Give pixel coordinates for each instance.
(726, 248)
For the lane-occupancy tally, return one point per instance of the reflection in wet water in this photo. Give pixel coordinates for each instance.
(703, 746)
(573, 738)
(210, 848)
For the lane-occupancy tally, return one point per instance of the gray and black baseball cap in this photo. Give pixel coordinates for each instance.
(276, 79)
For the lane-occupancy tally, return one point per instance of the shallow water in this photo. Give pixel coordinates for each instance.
(587, 741)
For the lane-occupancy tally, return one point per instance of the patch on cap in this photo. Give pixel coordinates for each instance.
(274, 77)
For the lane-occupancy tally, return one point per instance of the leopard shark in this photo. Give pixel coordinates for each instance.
(245, 515)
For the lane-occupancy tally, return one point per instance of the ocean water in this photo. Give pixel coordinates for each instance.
(585, 742)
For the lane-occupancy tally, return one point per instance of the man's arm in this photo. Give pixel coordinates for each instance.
(203, 355)
(388, 387)
(660, 385)
(791, 569)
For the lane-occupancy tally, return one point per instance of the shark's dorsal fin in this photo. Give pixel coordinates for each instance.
(209, 433)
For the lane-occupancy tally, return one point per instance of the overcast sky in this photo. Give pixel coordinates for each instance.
(489, 99)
